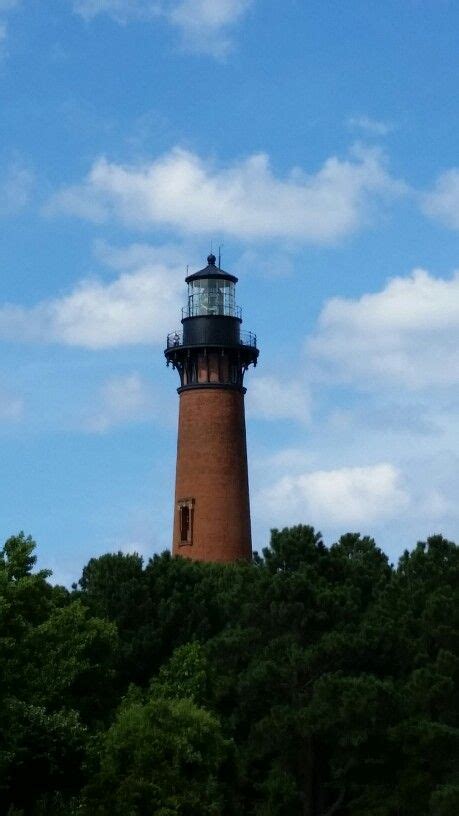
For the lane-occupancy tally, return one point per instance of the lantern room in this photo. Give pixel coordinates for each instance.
(211, 292)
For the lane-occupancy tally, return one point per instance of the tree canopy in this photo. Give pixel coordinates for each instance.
(314, 681)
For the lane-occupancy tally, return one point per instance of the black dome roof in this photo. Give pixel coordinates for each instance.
(211, 271)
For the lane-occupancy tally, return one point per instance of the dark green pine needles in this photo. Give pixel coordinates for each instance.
(316, 681)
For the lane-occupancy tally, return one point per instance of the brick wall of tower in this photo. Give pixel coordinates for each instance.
(211, 476)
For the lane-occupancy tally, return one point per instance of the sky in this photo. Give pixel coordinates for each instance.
(317, 143)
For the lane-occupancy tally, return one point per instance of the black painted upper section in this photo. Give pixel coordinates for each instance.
(211, 351)
(211, 330)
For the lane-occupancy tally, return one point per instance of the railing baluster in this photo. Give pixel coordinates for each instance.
(247, 338)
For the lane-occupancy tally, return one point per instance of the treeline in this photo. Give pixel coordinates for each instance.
(315, 681)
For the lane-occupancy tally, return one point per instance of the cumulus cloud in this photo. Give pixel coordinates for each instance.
(139, 306)
(138, 255)
(16, 182)
(271, 399)
(349, 495)
(368, 126)
(122, 400)
(202, 24)
(246, 199)
(442, 203)
(406, 335)
(393, 454)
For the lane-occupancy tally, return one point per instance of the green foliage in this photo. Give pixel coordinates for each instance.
(41, 752)
(292, 548)
(55, 674)
(74, 661)
(184, 676)
(160, 757)
(18, 557)
(315, 681)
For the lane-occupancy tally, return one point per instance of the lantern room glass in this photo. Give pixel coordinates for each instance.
(211, 296)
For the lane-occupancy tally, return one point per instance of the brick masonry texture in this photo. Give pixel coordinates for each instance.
(212, 471)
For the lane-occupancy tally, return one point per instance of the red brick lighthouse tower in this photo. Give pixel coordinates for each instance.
(211, 355)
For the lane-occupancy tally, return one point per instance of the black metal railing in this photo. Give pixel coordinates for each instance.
(248, 338)
(225, 309)
(175, 339)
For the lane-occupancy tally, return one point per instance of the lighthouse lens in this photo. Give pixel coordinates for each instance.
(211, 296)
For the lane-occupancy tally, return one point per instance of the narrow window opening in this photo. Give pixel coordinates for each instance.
(186, 521)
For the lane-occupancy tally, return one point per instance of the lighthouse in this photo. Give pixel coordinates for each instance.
(211, 354)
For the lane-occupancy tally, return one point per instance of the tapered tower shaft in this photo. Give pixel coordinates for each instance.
(212, 476)
(211, 354)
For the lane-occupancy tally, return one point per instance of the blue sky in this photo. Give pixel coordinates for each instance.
(318, 142)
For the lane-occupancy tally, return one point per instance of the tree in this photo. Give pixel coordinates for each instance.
(40, 753)
(55, 673)
(292, 547)
(159, 758)
(315, 681)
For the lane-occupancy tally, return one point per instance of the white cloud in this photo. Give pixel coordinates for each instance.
(122, 400)
(275, 264)
(78, 201)
(119, 9)
(16, 182)
(137, 307)
(349, 495)
(142, 548)
(368, 126)
(423, 455)
(442, 203)
(392, 454)
(246, 199)
(138, 255)
(202, 24)
(11, 407)
(406, 335)
(271, 399)
(5, 6)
